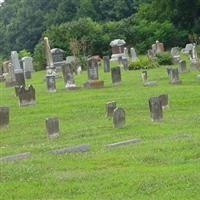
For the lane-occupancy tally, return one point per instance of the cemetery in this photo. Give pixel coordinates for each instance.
(119, 125)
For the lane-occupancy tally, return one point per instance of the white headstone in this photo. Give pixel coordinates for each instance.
(133, 54)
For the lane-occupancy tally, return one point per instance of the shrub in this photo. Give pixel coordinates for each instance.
(164, 58)
(143, 62)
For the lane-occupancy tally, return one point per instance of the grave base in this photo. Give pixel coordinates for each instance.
(94, 84)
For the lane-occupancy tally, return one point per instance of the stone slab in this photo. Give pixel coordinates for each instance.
(74, 149)
(150, 83)
(123, 143)
(20, 156)
(94, 84)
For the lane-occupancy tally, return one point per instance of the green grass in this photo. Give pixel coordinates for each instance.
(165, 165)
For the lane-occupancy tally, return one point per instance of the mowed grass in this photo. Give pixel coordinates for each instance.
(165, 165)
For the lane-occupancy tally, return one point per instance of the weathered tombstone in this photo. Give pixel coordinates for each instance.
(16, 157)
(52, 126)
(125, 63)
(110, 107)
(182, 66)
(93, 75)
(26, 96)
(126, 53)
(10, 77)
(68, 76)
(157, 47)
(119, 118)
(144, 76)
(118, 46)
(19, 74)
(1, 75)
(187, 48)
(175, 53)
(6, 66)
(51, 83)
(133, 54)
(155, 109)
(164, 101)
(4, 116)
(27, 66)
(174, 77)
(150, 83)
(106, 61)
(116, 75)
(150, 53)
(58, 57)
(169, 69)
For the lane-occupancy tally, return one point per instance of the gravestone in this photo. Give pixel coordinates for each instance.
(26, 96)
(182, 66)
(10, 77)
(126, 53)
(110, 107)
(116, 75)
(119, 119)
(93, 75)
(68, 76)
(51, 83)
(150, 53)
(6, 66)
(125, 63)
(169, 69)
(4, 116)
(174, 77)
(133, 54)
(118, 46)
(187, 48)
(27, 66)
(144, 76)
(19, 74)
(20, 156)
(123, 143)
(58, 57)
(52, 126)
(175, 53)
(164, 101)
(157, 47)
(106, 61)
(150, 83)
(155, 109)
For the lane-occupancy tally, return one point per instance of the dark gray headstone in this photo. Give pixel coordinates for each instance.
(20, 78)
(119, 118)
(26, 96)
(58, 55)
(4, 116)
(106, 61)
(51, 83)
(155, 109)
(182, 66)
(125, 63)
(93, 69)
(52, 126)
(110, 107)
(123, 143)
(116, 75)
(174, 76)
(74, 149)
(144, 76)
(20, 156)
(164, 100)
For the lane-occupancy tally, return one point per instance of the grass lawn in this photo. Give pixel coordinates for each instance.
(165, 165)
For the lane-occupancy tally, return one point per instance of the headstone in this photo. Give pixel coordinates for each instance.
(26, 96)
(106, 61)
(20, 156)
(157, 47)
(155, 109)
(19, 74)
(119, 119)
(175, 53)
(1, 75)
(118, 46)
(150, 53)
(133, 54)
(68, 76)
(174, 76)
(150, 83)
(116, 75)
(125, 63)
(164, 101)
(58, 57)
(6, 66)
(169, 69)
(51, 83)
(52, 126)
(93, 75)
(10, 77)
(182, 66)
(144, 76)
(27, 66)
(4, 116)
(126, 53)
(74, 149)
(187, 48)
(123, 143)
(110, 107)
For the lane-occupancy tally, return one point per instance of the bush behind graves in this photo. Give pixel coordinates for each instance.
(143, 62)
(164, 58)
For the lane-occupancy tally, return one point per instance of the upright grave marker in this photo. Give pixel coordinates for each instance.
(4, 116)
(116, 75)
(52, 126)
(182, 66)
(174, 76)
(106, 61)
(119, 118)
(110, 107)
(155, 107)
(27, 66)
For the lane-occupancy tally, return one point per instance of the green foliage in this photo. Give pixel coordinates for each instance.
(164, 58)
(24, 53)
(143, 62)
